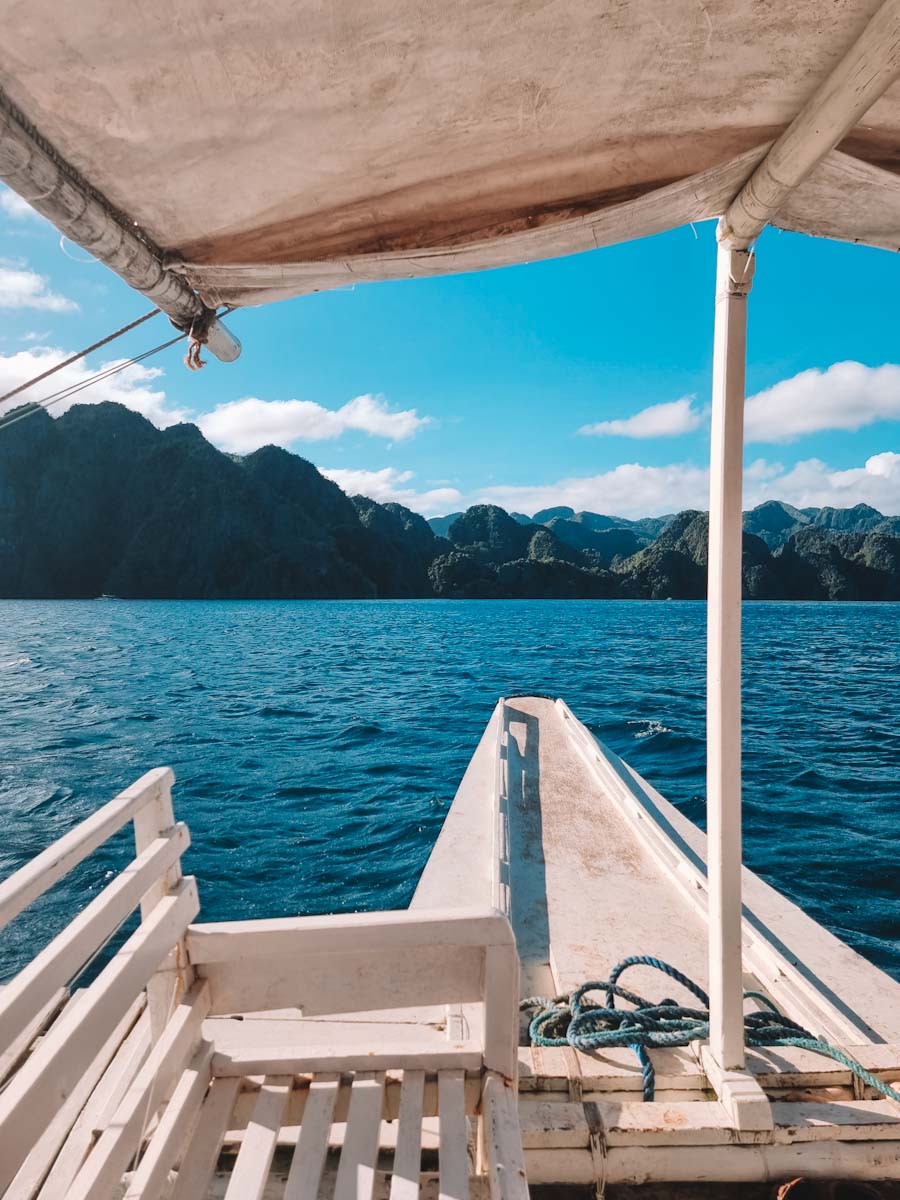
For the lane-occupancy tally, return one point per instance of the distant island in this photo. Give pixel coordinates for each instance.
(101, 502)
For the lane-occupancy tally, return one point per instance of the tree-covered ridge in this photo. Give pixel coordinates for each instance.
(101, 502)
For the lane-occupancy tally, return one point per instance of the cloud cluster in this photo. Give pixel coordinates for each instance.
(659, 420)
(633, 490)
(22, 288)
(242, 426)
(848, 395)
(132, 386)
(387, 485)
(12, 204)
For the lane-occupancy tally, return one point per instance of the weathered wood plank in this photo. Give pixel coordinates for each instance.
(32, 880)
(502, 1141)
(14, 1052)
(58, 963)
(202, 1153)
(43, 1084)
(175, 1127)
(251, 1170)
(121, 1140)
(454, 1152)
(44, 1153)
(312, 1146)
(356, 1171)
(408, 1154)
(228, 941)
(98, 1111)
(298, 1060)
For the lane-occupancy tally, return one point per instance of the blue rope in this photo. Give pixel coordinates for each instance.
(577, 1021)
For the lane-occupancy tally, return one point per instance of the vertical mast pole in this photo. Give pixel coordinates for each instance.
(734, 276)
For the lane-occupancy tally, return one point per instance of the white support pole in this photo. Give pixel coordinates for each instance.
(723, 679)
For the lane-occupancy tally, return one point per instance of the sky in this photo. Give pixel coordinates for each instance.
(582, 380)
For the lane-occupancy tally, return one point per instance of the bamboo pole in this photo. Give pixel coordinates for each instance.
(723, 681)
(30, 168)
(865, 72)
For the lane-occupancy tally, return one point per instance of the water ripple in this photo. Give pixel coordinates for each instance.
(318, 745)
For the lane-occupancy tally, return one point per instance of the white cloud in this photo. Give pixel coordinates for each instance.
(131, 386)
(14, 206)
(21, 288)
(244, 425)
(812, 484)
(659, 420)
(633, 490)
(386, 486)
(848, 395)
(629, 490)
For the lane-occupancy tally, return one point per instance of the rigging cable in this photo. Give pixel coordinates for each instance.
(81, 354)
(72, 389)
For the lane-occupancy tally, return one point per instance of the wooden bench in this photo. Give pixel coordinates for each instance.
(302, 1032)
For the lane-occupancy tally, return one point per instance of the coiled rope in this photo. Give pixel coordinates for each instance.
(576, 1021)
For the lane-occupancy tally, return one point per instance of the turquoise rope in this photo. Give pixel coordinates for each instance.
(587, 1025)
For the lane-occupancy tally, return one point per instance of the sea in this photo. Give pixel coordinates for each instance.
(318, 745)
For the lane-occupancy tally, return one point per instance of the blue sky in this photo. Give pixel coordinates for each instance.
(519, 386)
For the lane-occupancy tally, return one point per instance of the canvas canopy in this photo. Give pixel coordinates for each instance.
(287, 146)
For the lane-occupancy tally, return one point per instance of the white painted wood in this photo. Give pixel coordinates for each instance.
(36, 1166)
(501, 1010)
(862, 75)
(461, 863)
(120, 1142)
(32, 880)
(43, 1083)
(175, 1127)
(228, 941)
(723, 674)
(251, 1170)
(271, 1060)
(453, 1157)
(357, 981)
(359, 1157)
(16, 1050)
(150, 823)
(762, 1163)
(99, 1109)
(58, 963)
(202, 1153)
(312, 1145)
(407, 1164)
(815, 978)
(502, 1140)
(739, 1094)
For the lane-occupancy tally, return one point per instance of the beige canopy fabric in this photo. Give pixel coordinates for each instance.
(287, 146)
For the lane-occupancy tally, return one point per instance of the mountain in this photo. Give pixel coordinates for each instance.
(100, 501)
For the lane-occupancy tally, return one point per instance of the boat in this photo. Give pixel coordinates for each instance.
(220, 157)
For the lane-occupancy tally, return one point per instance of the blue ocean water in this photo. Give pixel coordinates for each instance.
(318, 745)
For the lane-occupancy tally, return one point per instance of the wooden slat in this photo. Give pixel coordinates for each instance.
(120, 1142)
(503, 1141)
(356, 1171)
(454, 1151)
(202, 1154)
(32, 880)
(271, 1060)
(98, 1111)
(59, 962)
(38, 1163)
(175, 1127)
(408, 1154)
(312, 1146)
(44, 1082)
(227, 941)
(248, 1179)
(14, 1052)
